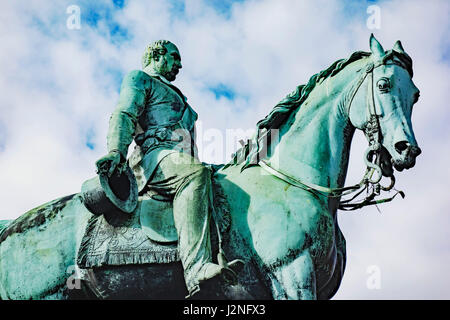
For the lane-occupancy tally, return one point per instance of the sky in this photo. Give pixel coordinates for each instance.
(59, 85)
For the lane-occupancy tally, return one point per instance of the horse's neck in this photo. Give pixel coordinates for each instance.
(314, 144)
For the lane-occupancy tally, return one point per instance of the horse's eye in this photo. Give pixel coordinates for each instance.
(383, 85)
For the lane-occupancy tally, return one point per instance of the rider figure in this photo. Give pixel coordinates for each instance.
(154, 113)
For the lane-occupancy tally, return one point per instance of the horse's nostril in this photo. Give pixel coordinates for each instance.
(401, 146)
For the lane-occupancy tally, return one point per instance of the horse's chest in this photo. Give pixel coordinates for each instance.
(286, 224)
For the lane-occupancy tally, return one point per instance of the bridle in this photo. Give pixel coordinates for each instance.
(372, 155)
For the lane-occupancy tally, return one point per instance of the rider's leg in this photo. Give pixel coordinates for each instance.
(191, 215)
(190, 183)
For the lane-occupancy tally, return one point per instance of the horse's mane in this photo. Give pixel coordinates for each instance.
(250, 152)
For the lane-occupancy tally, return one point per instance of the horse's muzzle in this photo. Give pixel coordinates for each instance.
(406, 155)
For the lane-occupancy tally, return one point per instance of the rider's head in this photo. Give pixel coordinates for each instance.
(163, 58)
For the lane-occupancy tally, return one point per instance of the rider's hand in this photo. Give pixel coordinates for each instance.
(109, 163)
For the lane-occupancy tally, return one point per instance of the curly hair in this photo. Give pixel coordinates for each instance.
(153, 50)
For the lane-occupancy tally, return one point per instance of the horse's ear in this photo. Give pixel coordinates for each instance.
(376, 47)
(398, 47)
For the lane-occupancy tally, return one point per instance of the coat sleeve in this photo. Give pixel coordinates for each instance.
(122, 124)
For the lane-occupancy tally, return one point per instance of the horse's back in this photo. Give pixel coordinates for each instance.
(37, 249)
(3, 225)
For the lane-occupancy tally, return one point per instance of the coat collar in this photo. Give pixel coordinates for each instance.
(156, 75)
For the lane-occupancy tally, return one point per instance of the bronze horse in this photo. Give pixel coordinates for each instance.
(283, 209)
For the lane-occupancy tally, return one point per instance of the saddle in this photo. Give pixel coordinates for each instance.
(148, 235)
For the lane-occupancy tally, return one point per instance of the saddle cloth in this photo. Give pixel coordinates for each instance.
(106, 244)
(130, 239)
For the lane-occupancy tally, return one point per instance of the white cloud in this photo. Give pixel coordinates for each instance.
(55, 89)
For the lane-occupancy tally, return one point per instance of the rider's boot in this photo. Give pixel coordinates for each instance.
(211, 272)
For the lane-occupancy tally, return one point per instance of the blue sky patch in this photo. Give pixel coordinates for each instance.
(222, 90)
(90, 16)
(119, 3)
(177, 7)
(90, 134)
(93, 13)
(223, 6)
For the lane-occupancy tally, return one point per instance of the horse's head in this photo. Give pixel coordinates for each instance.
(383, 112)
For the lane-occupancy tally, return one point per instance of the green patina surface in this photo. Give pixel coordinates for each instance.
(288, 235)
(35, 217)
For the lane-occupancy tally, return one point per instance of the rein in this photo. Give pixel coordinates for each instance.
(371, 156)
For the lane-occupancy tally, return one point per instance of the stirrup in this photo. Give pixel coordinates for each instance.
(236, 265)
(231, 268)
(224, 271)
(205, 277)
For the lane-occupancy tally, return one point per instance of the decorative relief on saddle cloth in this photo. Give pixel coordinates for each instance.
(104, 244)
